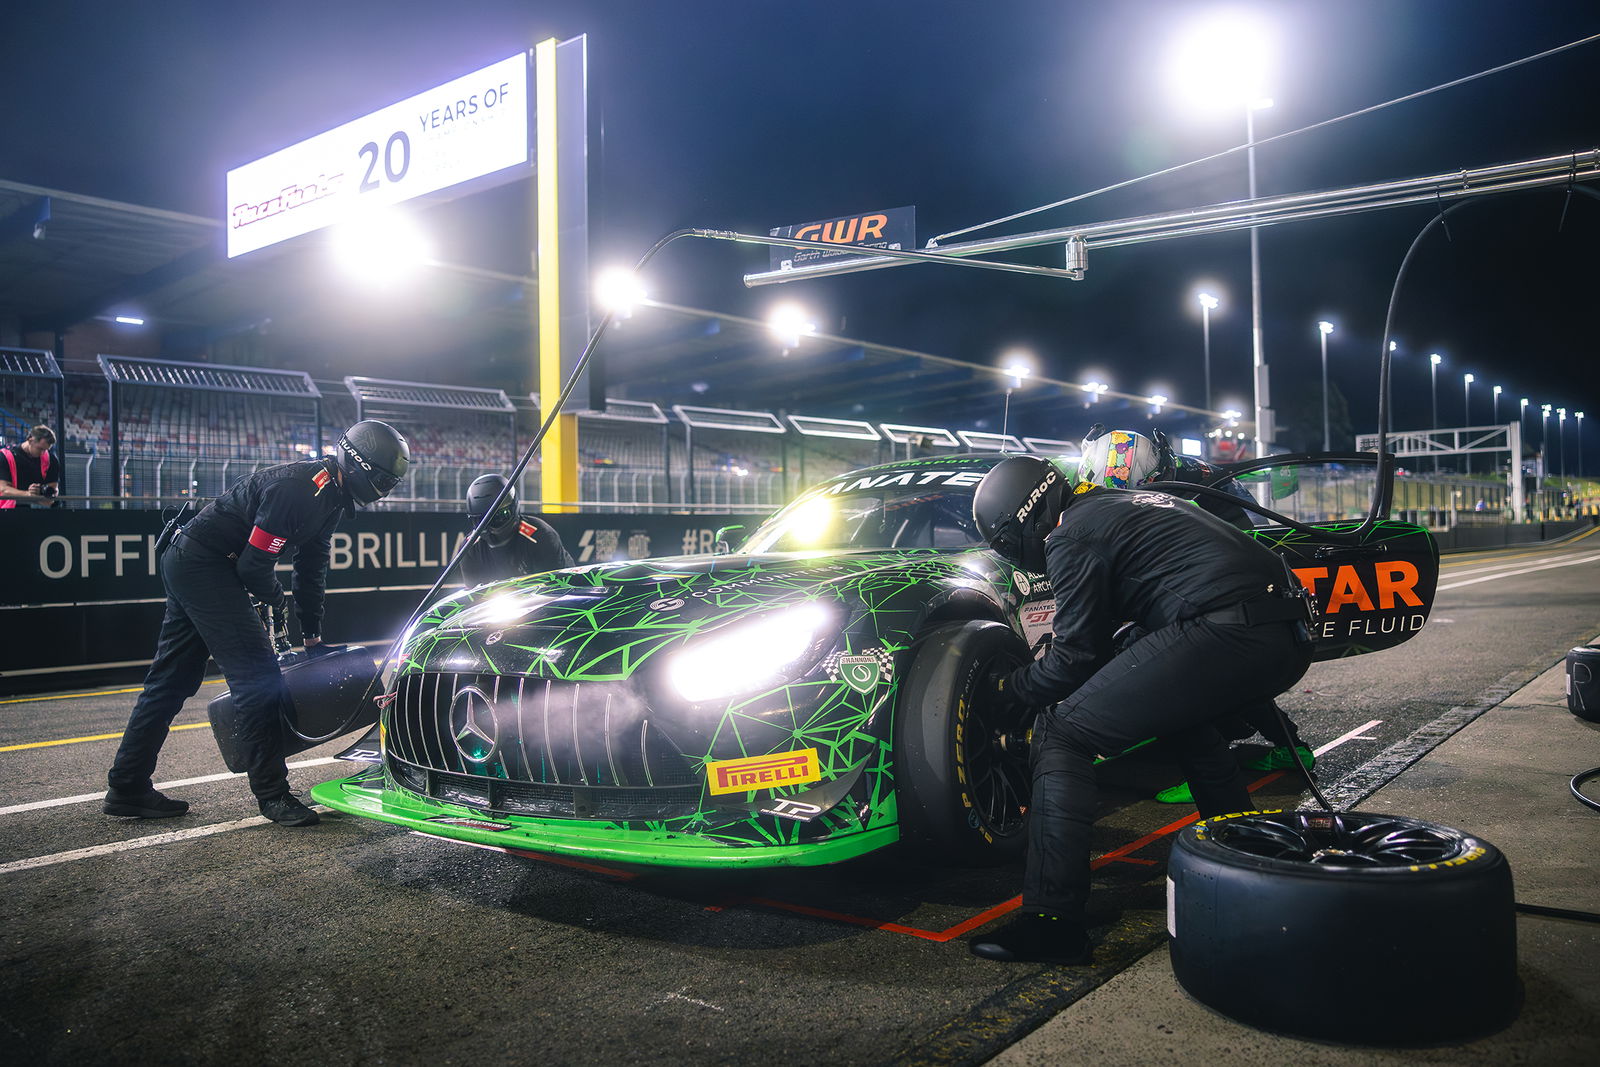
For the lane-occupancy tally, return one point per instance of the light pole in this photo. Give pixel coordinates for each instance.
(1324, 328)
(1018, 367)
(1544, 444)
(1208, 304)
(1561, 443)
(1389, 394)
(1263, 401)
(1495, 392)
(1466, 409)
(1434, 359)
(1580, 446)
(1224, 61)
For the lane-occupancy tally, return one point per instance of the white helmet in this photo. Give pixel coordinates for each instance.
(1117, 459)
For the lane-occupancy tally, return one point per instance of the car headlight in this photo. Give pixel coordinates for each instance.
(748, 656)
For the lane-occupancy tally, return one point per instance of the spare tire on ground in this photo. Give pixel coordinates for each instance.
(1344, 926)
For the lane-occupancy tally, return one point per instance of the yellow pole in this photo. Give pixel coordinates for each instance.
(559, 451)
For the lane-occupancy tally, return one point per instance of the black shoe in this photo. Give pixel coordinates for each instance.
(147, 805)
(1036, 938)
(286, 810)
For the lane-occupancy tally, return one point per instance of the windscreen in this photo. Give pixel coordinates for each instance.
(874, 516)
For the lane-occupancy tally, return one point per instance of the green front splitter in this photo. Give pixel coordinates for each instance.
(569, 837)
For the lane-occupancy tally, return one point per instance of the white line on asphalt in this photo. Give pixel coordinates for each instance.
(1520, 570)
(1351, 736)
(84, 798)
(124, 846)
(1507, 565)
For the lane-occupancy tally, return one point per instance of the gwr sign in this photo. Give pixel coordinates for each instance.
(894, 228)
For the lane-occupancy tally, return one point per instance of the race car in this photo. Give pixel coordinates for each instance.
(803, 701)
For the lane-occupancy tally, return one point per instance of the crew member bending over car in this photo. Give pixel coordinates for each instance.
(512, 544)
(1225, 625)
(214, 565)
(1128, 459)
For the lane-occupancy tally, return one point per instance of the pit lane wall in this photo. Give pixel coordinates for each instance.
(80, 592)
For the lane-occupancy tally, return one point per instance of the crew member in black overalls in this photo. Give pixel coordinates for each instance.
(512, 544)
(215, 564)
(1225, 626)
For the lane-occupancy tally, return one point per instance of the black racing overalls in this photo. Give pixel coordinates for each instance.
(223, 556)
(533, 548)
(1219, 635)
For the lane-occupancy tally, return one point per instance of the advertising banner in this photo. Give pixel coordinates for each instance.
(83, 584)
(893, 228)
(453, 133)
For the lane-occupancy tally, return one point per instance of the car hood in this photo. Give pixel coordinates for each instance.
(604, 622)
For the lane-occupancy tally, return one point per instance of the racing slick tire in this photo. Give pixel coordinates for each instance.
(1346, 926)
(961, 784)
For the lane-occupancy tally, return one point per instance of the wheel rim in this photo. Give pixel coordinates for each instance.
(998, 766)
(1340, 839)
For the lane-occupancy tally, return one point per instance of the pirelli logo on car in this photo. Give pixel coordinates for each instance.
(763, 772)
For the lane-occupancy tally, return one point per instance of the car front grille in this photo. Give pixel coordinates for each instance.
(534, 746)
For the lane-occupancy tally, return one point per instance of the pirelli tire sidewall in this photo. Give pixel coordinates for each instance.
(1366, 955)
(938, 733)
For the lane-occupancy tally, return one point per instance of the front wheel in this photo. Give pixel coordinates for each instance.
(961, 785)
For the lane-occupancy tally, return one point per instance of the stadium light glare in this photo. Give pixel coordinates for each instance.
(789, 323)
(381, 248)
(129, 320)
(1223, 62)
(619, 290)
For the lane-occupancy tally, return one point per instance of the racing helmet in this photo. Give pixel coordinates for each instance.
(1017, 504)
(1119, 459)
(372, 457)
(481, 496)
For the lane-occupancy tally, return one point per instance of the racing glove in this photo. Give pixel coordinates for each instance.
(280, 628)
(998, 705)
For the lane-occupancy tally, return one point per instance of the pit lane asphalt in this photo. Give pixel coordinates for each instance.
(357, 942)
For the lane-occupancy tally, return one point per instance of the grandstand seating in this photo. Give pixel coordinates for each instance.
(176, 442)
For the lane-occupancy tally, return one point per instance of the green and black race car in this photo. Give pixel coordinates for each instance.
(803, 701)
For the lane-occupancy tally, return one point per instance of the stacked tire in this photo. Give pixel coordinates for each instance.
(1349, 926)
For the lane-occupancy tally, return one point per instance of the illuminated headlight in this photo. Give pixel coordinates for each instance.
(749, 656)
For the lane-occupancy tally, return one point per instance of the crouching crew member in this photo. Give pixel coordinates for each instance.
(1225, 626)
(215, 564)
(512, 544)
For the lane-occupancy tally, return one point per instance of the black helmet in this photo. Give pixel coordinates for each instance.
(1017, 504)
(373, 457)
(481, 495)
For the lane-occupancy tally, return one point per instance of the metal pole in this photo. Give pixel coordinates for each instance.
(1433, 392)
(1205, 334)
(1326, 446)
(1259, 361)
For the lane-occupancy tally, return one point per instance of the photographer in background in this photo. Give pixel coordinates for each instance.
(30, 472)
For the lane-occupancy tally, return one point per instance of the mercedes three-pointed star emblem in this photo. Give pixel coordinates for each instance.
(473, 726)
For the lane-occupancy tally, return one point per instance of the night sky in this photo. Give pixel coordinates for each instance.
(748, 115)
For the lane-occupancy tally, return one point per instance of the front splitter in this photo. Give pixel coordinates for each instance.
(562, 837)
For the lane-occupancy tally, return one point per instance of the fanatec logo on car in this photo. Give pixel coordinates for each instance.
(473, 727)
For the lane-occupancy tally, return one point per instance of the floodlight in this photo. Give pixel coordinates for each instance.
(618, 291)
(1208, 301)
(1222, 63)
(1325, 327)
(789, 323)
(129, 320)
(379, 248)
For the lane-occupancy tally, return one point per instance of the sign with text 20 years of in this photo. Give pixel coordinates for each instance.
(464, 129)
